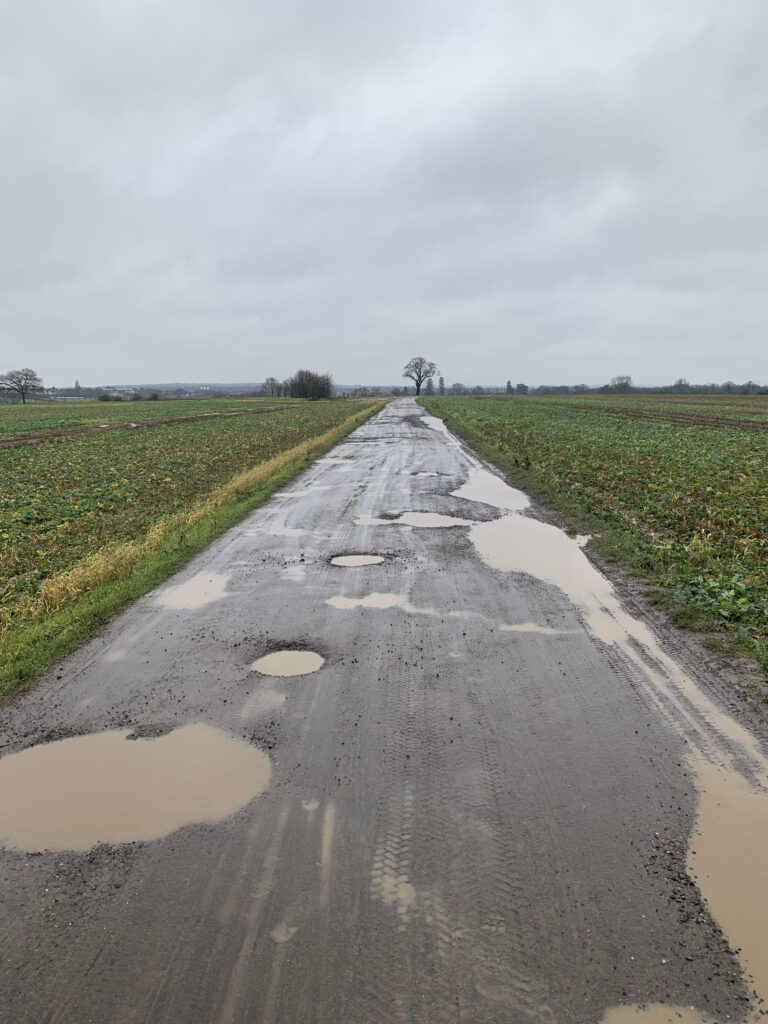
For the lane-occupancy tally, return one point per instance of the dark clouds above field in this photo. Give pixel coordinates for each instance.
(547, 191)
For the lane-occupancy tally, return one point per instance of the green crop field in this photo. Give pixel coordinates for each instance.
(79, 512)
(64, 415)
(675, 487)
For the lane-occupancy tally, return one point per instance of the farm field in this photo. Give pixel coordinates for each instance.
(42, 416)
(77, 512)
(674, 489)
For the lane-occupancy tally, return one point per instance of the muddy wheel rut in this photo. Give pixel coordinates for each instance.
(482, 779)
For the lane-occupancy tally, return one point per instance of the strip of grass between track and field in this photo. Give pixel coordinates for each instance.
(73, 605)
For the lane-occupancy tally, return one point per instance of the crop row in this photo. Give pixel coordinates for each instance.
(689, 501)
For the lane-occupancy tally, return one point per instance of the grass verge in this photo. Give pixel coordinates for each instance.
(73, 605)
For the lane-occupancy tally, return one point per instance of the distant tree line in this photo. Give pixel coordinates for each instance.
(624, 385)
(621, 385)
(21, 385)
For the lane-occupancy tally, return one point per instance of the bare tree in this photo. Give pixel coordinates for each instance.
(21, 382)
(271, 384)
(418, 370)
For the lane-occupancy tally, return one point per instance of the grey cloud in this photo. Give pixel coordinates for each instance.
(207, 190)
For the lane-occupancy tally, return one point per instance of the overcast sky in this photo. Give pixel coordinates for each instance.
(553, 191)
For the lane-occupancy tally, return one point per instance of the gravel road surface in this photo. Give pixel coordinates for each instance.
(477, 802)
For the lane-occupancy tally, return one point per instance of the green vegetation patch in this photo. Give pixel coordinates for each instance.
(66, 415)
(676, 492)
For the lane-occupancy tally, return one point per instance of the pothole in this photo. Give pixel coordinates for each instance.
(288, 663)
(118, 787)
(417, 519)
(349, 561)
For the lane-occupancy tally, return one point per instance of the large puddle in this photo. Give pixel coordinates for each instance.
(728, 858)
(489, 489)
(198, 591)
(288, 663)
(437, 424)
(106, 788)
(521, 544)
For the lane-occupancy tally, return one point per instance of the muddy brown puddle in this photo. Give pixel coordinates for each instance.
(288, 663)
(107, 788)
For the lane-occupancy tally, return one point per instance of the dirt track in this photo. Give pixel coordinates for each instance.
(479, 807)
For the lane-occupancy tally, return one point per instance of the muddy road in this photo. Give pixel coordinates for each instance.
(392, 750)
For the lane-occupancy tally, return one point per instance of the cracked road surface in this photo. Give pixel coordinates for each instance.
(484, 776)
